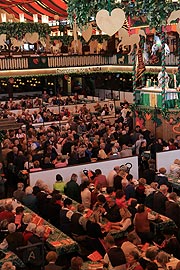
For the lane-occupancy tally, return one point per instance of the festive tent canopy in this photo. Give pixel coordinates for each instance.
(49, 8)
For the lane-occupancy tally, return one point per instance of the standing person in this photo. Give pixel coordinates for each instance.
(85, 194)
(100, 179)
(110, 177)
(65, 215)
(142, 223)
(173, 208)
(59, 184)
(159, 201)
(114, 258)
(19, 193)
(72, 188)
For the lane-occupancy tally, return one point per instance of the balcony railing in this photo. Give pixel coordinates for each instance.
(43, 62)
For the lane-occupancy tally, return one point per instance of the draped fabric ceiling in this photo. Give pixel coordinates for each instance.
(30, 7)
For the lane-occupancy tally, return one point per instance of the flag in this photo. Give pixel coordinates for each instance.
(140, 65)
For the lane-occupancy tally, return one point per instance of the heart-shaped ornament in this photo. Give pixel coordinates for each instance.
(110, 23)
(31, 38)
(87, 32)
(43, 60)
(36, 61)
(176, 128)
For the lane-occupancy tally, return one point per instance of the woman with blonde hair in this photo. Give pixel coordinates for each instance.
(125, 223)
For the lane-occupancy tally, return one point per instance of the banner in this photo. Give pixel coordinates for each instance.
(140, 65)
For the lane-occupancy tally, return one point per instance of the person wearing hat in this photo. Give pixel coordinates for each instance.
(59, 184)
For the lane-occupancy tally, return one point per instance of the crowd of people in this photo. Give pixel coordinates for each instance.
(123, 202)
(127, 205)
(85, 137)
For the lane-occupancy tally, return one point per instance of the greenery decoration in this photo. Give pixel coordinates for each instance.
(153, 12)
(18, 30)
(169, 115)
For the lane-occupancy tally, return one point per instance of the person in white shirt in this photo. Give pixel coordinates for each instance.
(85, 194)
(125, 222)
(110, 177)
(131, 244)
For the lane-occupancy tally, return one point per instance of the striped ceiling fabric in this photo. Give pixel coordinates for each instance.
(40, 7)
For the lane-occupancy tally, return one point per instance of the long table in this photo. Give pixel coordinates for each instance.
(12, 257)
(174, 181)
(56, 240)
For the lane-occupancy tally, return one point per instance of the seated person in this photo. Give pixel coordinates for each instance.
(131, 244)
(13, 240)
(175, 167)
(7, 214)
(29, 231)
(111, 212)
(170, 244)
(133, 261)
(125, 222)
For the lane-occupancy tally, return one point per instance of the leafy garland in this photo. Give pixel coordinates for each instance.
(169, 116)
(18, 30)
(155, 11)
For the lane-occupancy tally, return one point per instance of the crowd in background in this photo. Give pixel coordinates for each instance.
(85, 138)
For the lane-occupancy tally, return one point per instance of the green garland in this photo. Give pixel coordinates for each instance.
(18, 30)
(155, 12)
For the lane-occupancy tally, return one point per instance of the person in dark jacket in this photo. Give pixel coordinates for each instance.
(173, 208)
(30, 200)
(160, 199)
(161, 178)
(51, 258)
(72, 189)
(65, 215)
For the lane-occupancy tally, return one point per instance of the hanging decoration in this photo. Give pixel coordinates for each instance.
(18, 30)
(129, 40)
(110, 22)
(163, 62)
(87, 32)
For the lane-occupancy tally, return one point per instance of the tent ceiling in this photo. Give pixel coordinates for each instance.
(40, 7)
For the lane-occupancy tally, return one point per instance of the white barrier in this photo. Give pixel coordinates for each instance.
(166, 158)
(49, 176)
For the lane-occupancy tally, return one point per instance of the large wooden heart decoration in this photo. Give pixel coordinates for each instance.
(87, 32)
(31, 38)
(110, 23)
